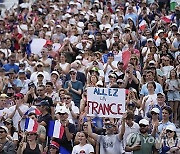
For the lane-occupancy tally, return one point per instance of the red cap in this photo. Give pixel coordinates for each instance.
(19, 95)
(48, 42)
(55, 144)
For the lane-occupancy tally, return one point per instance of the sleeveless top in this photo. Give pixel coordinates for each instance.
(165, 148)
(28, 150)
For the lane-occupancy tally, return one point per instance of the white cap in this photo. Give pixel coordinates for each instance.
(39, 63)
(156, 110)
(83, 13)
(91, 37)
(171, 127)
(150, 39)
(152, 62)
(40, 73)
(45, 26)
(161, 93)
(144, 122)
(96, 1)
(78, 57)
(61, 109)
(58, 26)
(174, 24)
(55, 72)
(5, 128)
(67, 15)
(160, 31)
(100, 83)
(73, 70)
(72, 21)
(80, 24)
(71, 3)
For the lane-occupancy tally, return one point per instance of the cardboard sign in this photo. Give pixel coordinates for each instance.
(106, 102)
(37, 45)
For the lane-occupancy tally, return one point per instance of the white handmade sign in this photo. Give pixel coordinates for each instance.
(106, 102)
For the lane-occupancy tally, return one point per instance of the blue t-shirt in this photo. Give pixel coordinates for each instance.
(144, 90)
(7, 67)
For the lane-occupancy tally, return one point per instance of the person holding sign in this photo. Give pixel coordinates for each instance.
(110, 143)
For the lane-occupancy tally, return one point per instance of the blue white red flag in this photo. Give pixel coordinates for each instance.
(31, 125)
(55, 129)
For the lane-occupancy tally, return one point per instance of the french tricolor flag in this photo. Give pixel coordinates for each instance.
(34, 110)
(167, 19)
(55, 129)
(31, 125)
(142, 25)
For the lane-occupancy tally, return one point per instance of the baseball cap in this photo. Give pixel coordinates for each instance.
(156, 110)
(55, 144)
(161, 93)
(43, 103)
(40, 73)
(73, 70)
(45, 26)
(21, 72)
(55, 72)
(144, 122)
(150, 40)
(19, 95)
(39, 63)
(174, 24)
(160, 31)
(61, 109)
(152, 62)
(58, 26)
(171, 127)
(5, 128)
(3, 96)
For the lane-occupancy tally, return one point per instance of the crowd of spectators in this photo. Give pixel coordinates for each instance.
(126, 44)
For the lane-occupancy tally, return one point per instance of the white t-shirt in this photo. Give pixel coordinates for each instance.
(166, 70)
(87, 148)
(17, 116)
(3, 112)
(75, 109)
(109, 68)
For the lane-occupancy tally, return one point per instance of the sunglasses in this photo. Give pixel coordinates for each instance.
(154, 113)
(40, 90)
(72, 73)
(52, 147)
(39, 65)
(18, 98)
(62, 113)
(108, 126)
(6, 123)
(85, 125)
(169, 131)
(30, 134)
(141, 125)
(68, 98)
